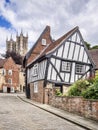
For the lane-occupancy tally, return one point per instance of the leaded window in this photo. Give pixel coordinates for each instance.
(35, 70)
(66, 66)
(80, 68)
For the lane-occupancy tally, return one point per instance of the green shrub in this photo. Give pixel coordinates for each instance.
(78, 87)
(91, 80)
(92, 91)
(58, 93)
(86, 88)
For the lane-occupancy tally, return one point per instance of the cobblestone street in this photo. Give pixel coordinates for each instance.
(18, 115)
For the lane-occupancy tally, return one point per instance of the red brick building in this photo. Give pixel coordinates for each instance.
(10, 75)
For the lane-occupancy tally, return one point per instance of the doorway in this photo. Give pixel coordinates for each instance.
(59, 87)
(8, 89)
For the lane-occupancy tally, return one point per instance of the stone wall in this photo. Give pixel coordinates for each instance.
(78, 105)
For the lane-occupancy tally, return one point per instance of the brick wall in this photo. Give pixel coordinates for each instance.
(10, 65)
(38, 97)
(39, 47)
(78, 105)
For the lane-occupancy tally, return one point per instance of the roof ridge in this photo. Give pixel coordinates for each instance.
(68, 32)
(61, 39)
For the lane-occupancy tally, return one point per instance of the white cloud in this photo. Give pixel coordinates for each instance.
(32, 16)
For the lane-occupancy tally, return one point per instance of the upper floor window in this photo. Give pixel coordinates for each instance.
(35, 70)
(3, 72)
(44, 42)
(10, 81)
(66, 66)
(9, 72)
(80, 68)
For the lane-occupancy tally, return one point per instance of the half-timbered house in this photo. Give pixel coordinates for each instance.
(57, 64)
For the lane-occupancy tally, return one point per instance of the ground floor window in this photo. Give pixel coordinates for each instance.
(35, 87)
(12, 89)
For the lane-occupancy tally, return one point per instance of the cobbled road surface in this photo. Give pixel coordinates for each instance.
(18, 115)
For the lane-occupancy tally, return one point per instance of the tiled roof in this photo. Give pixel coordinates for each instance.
(2, 61)
(58, 41)
(94, 56)
(53, 45)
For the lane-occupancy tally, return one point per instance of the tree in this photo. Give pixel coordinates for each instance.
(18, 59)
(88, 45)
(95, 47)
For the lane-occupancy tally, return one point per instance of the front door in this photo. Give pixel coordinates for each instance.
(8, 89)
(4, 89)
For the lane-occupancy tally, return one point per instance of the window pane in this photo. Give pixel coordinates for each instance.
(35, 70)
(35, 87)
(80, 68)
(9, 72)
(44, 42)
(66, 66)
(3, 72)
(10, 81)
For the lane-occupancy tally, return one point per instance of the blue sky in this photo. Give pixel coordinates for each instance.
(4, 23)
(32, 16)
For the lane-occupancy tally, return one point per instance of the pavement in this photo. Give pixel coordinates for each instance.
(76, 119)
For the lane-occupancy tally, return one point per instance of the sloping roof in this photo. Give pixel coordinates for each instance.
(58, 41)
(94, 54)
(30, 51)
(54, 44)
(2, 62)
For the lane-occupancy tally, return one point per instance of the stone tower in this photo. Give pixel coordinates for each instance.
(20, 46)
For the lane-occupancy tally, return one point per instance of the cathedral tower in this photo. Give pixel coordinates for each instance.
(20, 46)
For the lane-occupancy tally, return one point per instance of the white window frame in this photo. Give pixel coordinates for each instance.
(35, 87)
(12, 89)
(10, 81)
(35, 70)
(3, 72)
(44, 42)
(80, 68)
(66, 66)
(9, 72)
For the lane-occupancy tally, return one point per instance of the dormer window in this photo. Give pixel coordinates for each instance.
(44, 42)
